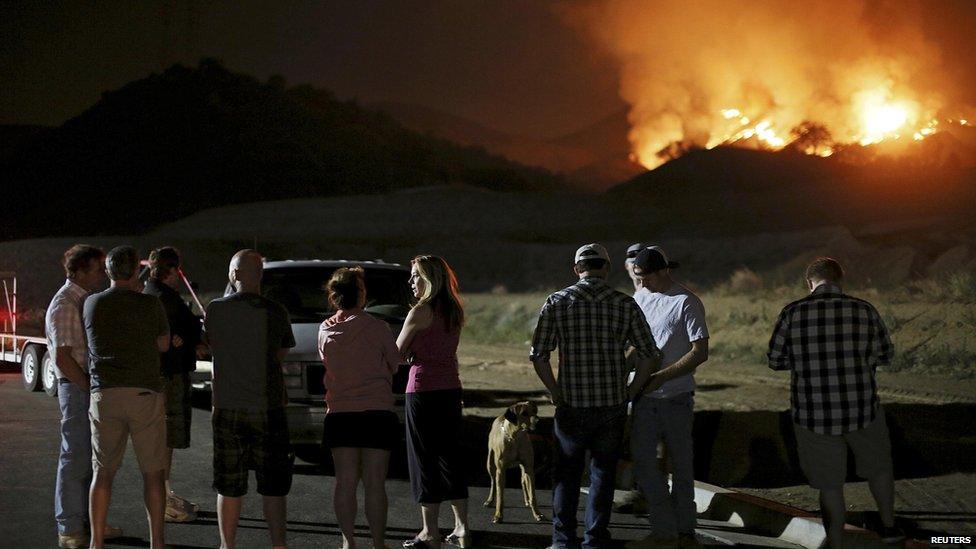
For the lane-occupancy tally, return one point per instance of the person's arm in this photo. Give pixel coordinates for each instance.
(391, 353)
(543, 369)
(687, 363)
(419, 318)
(882, 351)
(162, 325)
(70, 368)
(648, 356)
(644, 379)
(779, 343)
(544, 340)
(65, 340)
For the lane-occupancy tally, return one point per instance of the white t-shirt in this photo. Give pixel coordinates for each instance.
(676, 318)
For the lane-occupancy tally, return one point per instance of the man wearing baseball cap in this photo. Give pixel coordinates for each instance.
(592, 325)
(665, 409)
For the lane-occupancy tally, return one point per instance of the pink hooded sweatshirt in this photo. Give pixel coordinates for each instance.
(360, 358)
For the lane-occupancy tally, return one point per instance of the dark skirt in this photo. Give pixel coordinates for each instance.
(379, 429)
(434, 454)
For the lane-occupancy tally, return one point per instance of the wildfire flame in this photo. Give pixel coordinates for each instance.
(769, 75)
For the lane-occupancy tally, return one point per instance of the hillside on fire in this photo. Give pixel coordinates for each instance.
(174, 143)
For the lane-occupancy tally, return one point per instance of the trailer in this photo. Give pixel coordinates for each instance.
(29, 351)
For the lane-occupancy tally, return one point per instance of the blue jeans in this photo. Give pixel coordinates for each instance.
(601, 431)
(75, 462)
(669, 419)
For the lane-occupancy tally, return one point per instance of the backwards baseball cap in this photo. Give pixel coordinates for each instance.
(653, 258)
(633, 250)
(591, 251)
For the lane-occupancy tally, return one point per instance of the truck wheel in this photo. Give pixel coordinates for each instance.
(30, 369)
(49, 378)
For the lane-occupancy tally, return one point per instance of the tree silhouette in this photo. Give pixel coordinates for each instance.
(810, 137)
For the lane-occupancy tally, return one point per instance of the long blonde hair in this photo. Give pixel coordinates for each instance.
(441, 289)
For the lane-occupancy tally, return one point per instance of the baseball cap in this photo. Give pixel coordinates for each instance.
(591, 251)
(633, 250)
(652, 259)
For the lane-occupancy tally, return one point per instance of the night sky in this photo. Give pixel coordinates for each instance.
(517, 66)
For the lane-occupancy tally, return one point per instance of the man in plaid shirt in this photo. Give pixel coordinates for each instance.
(84, 267)
(592, 325)
(832, 343)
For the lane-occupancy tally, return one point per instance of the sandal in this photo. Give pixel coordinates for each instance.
(417, 543)
(458, 541)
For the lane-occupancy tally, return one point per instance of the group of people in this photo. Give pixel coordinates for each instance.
(620, 353)
(123, 357)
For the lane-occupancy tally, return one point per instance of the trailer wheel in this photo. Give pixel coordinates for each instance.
(49, 377)
(30, 369)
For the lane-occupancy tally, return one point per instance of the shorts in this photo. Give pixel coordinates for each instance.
(178, 410)
(823, 458)
(251, 440)
(379, 429)
(116, 414)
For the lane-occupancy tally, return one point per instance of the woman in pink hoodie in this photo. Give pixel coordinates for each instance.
(360, 357)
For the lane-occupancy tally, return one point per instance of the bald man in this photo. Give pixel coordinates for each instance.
(249, 336)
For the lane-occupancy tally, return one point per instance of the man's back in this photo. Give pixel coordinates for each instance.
(592, 325)
(833, 344)
(245, 332)
(122, 327)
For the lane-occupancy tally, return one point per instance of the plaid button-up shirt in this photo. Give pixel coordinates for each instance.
(832, 343)
(63, 326)
(592, 325)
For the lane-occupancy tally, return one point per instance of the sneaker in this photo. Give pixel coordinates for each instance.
(177, 512)
(892, 534)
(74, 540)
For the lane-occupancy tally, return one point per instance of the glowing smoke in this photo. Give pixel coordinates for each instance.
(703, 73)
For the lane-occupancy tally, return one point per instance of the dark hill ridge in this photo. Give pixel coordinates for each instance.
(593, 158)
(174, 143)
(733, 190)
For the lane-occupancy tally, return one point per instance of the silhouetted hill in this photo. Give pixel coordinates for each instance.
(190, 138)
(593, 158)
(14, 136)
(733, 190)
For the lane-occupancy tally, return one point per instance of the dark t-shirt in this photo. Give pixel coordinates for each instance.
(245, 333)
(122, 327)
(182, 322)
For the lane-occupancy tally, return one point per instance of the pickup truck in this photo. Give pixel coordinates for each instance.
(300, 287)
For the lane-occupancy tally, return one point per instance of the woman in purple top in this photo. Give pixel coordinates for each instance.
(429, 341)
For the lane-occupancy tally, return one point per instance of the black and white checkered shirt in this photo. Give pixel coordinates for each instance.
(832, 343)
(592, 325)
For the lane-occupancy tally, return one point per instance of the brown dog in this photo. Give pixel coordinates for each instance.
(509, 445)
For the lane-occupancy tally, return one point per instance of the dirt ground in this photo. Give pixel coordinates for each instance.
(936, 486)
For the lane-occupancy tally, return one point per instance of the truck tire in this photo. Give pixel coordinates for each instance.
(30, 368)
(49, 378)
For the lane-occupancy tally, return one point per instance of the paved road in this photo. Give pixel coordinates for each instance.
(28, 456)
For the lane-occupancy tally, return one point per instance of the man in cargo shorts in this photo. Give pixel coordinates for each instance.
(177, 363)
(126, 331)
(249, 336)
(832, 344)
